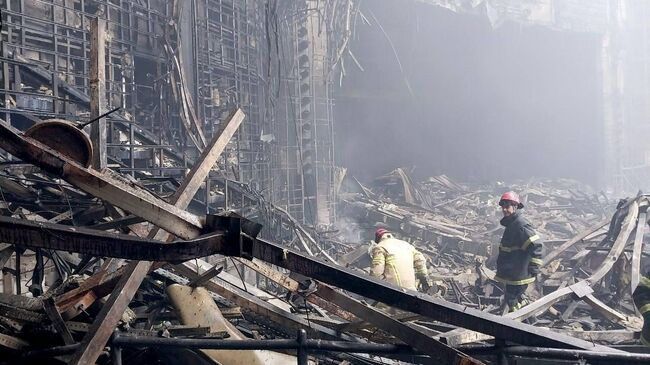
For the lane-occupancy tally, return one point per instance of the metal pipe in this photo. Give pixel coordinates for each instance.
(303, 356)
(558, 354)
(502, 358)
(51, 351)
(82, 125)
(568, 354)
(116, 355)
(121, 340)
(284, 344)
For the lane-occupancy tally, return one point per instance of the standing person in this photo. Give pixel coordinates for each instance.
(520, 252)
(398, 262)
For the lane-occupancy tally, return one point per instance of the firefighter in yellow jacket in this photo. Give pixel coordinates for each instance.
(398, 262)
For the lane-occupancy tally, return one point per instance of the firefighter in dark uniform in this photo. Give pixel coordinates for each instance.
(520, 252)
(641, 298)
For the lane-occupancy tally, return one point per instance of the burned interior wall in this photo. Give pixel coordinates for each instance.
(176, 68)
(307, 41)
(625, 57)
(450, 94)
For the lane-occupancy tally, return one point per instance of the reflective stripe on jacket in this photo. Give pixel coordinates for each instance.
(520, 252)
(397, 262)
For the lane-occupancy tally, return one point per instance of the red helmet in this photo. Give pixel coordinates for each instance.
(513, 197)
(380, 232)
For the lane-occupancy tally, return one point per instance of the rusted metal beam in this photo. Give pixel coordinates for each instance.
(106, 185)
(438, 309)
(99, 243)
(50, 309)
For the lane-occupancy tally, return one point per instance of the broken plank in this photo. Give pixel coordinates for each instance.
(104, 325)
(59, 325)
(555, 253)
(628, 225)
(606, 310)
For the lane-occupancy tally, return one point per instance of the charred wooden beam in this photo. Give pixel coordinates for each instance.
(579, 237)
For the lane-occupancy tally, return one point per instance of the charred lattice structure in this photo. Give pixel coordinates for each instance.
(175, 70)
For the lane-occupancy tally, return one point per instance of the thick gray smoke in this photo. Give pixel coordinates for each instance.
(469, 101)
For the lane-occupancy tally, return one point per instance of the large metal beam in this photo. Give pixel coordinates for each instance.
(99, 243)
(410, 335)
(438, 309)
(106, 185)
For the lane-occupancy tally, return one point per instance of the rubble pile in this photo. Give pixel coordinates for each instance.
(97, 268)
(457, 227)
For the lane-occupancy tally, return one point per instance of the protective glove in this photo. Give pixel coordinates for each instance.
(533, 270)
(424, 283)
